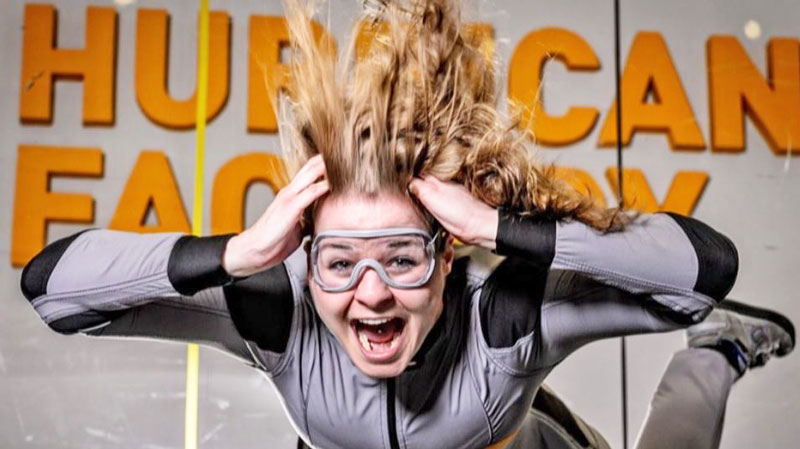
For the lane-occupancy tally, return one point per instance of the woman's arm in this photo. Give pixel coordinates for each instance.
(173, 286)
(679, 261)
(103, 282)
(572, 285)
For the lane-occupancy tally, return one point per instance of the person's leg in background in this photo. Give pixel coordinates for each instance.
(688, 408)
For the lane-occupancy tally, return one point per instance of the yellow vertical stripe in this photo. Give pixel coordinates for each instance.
(200, 118)
(192, 371)
(192, 351)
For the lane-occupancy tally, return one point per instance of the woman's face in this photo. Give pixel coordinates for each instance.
(358, 317)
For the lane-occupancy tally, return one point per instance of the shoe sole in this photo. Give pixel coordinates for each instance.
(764, 314)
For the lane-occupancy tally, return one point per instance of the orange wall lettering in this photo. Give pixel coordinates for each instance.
(231, 183)
(736, 87)
(268, 75)
(367, 32)
(682, 197)
(650, 73)
(152, 31)
(151, 184)
(684, 192)
(35, 204)
(42, 62)
(525, 78)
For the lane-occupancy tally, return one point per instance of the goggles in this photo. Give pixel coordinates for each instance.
(402, 257)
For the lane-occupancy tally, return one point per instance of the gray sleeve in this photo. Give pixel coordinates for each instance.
(652, 256)
(577, 310)
(679, 262)
(102, 271)
(565, 284)
(201, 318)
(104, 282)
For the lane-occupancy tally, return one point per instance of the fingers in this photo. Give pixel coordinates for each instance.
(309, 173)
(304, 189)
(423, 188)
(311, 194)
(277, 233)
(413, 187)
(428, 191)
(293, 206)
(307, 186)
(463, 215)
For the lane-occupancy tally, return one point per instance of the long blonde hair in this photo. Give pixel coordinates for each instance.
(422, 101)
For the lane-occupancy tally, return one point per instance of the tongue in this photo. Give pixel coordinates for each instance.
(381, 333)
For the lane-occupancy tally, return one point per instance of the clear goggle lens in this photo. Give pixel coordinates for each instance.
(402, 258)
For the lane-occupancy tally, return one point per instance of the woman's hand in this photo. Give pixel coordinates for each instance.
(277, 233)
(466, 217)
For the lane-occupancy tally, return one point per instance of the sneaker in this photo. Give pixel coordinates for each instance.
(747, 335)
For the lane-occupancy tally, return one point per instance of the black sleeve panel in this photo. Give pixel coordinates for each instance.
(37, 272)
(574, 286)
(718, 260)
(84, 320)
(527, 237)
(511, 302)
(196, 263)
(261, 307)
(551, 405)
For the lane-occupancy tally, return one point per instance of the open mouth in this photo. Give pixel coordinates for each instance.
(379, 338)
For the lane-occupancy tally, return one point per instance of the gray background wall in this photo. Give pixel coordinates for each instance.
(60, 392)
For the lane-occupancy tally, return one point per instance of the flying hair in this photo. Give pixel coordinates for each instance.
(420, 101)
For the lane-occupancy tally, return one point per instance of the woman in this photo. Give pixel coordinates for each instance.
(377, 334)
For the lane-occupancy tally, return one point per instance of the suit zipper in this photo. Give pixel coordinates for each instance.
(391, 419)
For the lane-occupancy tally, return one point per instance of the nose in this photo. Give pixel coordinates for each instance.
(372, 291)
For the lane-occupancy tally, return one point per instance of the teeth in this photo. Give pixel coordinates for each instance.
(366, 344)
(374, 321)
(362, 337)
